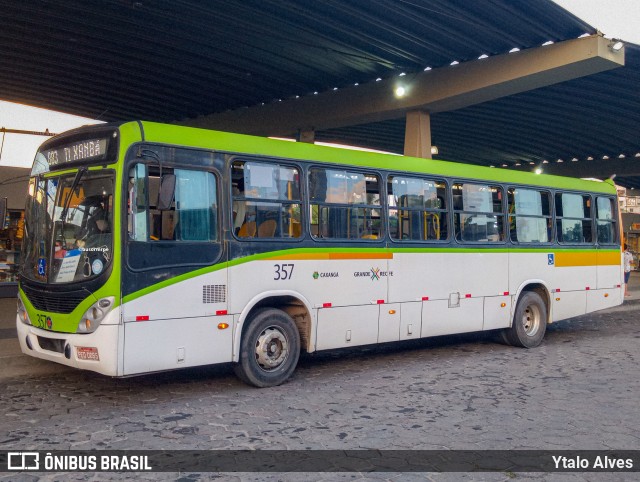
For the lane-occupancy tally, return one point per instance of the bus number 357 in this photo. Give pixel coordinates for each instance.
(283, 271)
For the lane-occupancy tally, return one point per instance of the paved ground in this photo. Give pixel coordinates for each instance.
(578, 390)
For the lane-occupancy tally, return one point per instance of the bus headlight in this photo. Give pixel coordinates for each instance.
(92, 318)
(22, 312)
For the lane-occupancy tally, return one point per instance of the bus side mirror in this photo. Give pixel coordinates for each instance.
(166, 192)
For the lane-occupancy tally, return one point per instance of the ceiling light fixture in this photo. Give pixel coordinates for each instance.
(616, 45)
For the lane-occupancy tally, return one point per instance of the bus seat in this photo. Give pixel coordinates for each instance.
(296, 229)
(267, 229)
(247, 230)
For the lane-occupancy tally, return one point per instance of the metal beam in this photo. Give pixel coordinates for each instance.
(600, 169)
(438, 90)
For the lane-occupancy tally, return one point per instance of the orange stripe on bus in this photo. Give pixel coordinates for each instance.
(591, 258)
(327, 256)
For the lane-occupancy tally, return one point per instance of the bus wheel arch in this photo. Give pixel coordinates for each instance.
(530, 317)
(291, 303)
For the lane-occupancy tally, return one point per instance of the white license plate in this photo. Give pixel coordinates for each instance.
(87, 353)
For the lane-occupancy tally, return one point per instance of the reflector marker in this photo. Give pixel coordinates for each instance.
(326, 305)
(506, 293)
(221, 312)
(425, 298)
(468, 295)
(142, 318)
(380, 302)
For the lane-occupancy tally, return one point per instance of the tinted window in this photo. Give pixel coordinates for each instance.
(417, 209)
(266, 200)
(529, 215)
(573, 218)
(478, 213)
(344, 204)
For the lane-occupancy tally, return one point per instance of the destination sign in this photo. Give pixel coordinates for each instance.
(93, 149)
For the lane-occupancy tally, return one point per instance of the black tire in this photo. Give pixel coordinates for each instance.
(529, 322)
(269, 349)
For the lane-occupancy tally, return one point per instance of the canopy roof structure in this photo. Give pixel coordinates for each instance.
(188, 61)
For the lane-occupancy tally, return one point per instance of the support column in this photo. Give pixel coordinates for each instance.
(417, 134)
(306, 135)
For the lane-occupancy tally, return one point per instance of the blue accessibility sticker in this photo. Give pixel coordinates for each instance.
(550, 259)
(42, 266)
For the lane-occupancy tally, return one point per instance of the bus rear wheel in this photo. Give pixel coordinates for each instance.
(269, 349)
(529, 322)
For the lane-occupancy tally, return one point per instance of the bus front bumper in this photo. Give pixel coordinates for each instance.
(97, 351)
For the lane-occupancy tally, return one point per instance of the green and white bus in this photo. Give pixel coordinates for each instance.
(152, 247)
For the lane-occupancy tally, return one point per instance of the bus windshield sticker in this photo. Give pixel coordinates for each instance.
(69, 266)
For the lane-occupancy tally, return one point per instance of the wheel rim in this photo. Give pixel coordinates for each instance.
(531, 320)
(272, 349)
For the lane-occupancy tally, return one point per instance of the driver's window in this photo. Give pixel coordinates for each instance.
(190, 216)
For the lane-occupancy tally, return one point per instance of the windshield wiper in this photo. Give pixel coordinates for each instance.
(74, 186)
(67, 202)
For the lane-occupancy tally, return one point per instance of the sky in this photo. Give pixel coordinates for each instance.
(615, 18)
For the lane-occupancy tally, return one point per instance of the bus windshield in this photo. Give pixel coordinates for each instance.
(68, 226)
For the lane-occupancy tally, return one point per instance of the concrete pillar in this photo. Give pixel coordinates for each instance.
(417, 134)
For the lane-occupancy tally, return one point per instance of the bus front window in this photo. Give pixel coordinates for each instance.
(68, 227)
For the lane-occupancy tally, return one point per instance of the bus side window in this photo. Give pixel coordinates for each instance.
(137, 222)
(606, 220)
(529, 215)
(417, 209)
(266, 200)
(573, 218)
(191, 216)
(478, 213)
(345, 204)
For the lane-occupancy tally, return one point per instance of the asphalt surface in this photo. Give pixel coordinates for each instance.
(578, 390)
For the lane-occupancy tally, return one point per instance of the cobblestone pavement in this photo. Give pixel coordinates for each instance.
(578, 390)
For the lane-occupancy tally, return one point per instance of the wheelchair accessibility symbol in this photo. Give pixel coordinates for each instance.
(42, 266)
(550, 259)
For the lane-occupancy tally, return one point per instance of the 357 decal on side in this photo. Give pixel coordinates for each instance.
(283, 271)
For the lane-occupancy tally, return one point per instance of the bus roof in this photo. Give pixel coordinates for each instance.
(262, 146)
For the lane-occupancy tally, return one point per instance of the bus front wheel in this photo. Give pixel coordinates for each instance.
(529, 322)
(269, 349)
